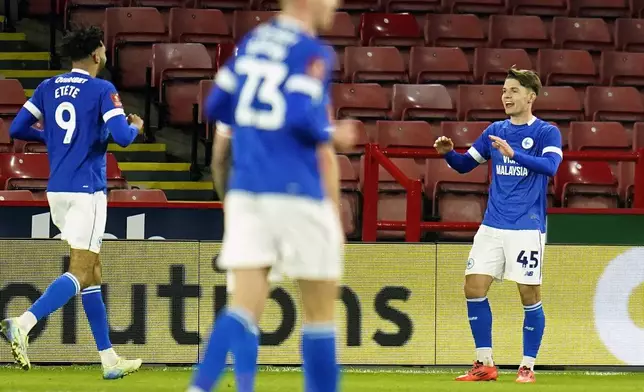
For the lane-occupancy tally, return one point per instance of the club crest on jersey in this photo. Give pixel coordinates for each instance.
(116, 100)
(527, 143)
(470, 263)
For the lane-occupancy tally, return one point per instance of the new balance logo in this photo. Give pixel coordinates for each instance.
(529, 328)
(473, 318)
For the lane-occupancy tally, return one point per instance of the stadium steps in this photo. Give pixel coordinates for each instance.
(146, 166)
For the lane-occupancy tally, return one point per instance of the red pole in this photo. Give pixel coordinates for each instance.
(414, 211)
(638, 201)
(370, 195)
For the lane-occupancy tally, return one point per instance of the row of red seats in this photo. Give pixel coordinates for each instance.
(114, 195)
(482, 102)
(607, 8)
(130, 33)
(490, 65)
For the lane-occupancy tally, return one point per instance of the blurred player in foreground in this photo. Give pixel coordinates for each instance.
(282, 202)
(525, 151)
(77, 110)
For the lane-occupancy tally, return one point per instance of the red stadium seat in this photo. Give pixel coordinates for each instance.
(364, 100)
(390, 30)
(476, 6)
(11, 99)
(456, 197)
(31, 171)
(463, 31)
(628, 35)
(245, 21)
(566, 67)
(129, 35)
(626, 179)
(491, 65)
(586, 185)
(601, 8)
(430, 65)
(137, 195)
(343, 32)
(415, 6)
(613, 104)
(404, 134)
(374, 64)
(598, 136)
(348, 216)
(85, 13)
(225, 4)
(177, 70)
(480, 102)
(463, 133)
(5, 139)
(622, 69)
(422, 101)
(539, 7)
(392, 202)
(581, 33)
(558, 103)
(207, 27)
(522, 32)
(224, 51)
(164, 6)
(16, 196)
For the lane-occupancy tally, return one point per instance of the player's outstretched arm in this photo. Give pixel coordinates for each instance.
(114, 117)
(462, 163)
(29, 114)
(22, 127)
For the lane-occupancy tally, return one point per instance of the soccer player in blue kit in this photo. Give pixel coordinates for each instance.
(524, 152)
(281, 204)
(79, 113)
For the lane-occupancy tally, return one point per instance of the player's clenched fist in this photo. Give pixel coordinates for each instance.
(345, 135)
(135, 120)
(443, 145)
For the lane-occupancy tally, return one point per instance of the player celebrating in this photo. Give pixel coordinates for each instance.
(524, 151)
(282, 206)
(77, 110)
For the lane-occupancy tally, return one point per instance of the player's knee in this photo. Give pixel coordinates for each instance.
(82, 265)
(318, 299)
(530, 294)
(476, 286)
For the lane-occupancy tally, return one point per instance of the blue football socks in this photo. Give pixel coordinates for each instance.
(59, 292)
(480, 317)
(320, 365)
(534, 324)
(234, 331)
(97, 316)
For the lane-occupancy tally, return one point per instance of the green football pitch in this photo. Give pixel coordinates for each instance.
(88, 378)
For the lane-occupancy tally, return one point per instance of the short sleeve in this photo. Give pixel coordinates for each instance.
(552, 141)
(111, 105)
(480, 150)
(35, 105)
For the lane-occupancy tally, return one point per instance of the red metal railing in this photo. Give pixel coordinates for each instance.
(413, 225)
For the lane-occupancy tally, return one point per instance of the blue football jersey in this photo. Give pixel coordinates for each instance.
(77, 111)
(517, 199)
(273, 96)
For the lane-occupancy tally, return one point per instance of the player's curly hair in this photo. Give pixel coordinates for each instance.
(79, 44)
(527, 78)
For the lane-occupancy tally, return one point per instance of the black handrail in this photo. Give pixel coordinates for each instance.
(54, 59)
(8, 22)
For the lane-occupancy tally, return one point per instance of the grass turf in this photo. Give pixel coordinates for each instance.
(88, 378)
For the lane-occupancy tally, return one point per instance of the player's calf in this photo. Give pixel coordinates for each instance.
(319, 358)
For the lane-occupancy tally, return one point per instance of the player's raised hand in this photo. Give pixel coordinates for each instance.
(345, 135)
(443, 145)
(135, 120)
(502, 146)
